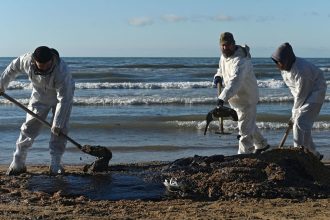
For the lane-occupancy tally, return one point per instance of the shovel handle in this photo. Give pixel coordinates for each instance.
(287, 131)
(221, 119)
(46, 123)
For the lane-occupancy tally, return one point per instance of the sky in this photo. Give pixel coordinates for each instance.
(163, 28)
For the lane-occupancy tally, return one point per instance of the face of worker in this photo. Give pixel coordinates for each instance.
(44, 68)
(227, 49)
(280, 66)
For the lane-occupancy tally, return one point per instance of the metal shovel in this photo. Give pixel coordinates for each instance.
(102, 153)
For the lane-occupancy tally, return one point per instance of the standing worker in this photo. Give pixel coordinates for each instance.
(241, 91)
(308, 87)
(52, 89)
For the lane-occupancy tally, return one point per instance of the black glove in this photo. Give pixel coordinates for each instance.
(56, 131)
(217, 80)
(290, 122)
(220, 102)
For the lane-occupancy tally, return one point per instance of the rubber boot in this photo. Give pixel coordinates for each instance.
(17, 166)
(55, 167)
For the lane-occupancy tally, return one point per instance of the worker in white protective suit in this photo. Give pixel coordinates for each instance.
(241, 91)
(52, 89)
(308, 87)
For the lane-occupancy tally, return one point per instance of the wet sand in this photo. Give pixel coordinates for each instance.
(18, 202)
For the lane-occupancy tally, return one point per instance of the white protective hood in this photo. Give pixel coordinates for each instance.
(56, 89)
(240, 84)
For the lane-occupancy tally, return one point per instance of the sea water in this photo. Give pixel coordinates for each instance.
(146, 109)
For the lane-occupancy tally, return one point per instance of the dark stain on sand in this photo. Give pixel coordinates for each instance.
(279, 173)
(98, 187)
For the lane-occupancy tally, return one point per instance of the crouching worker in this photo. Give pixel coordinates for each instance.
(241, 91)
(308, 87)
(52, 90)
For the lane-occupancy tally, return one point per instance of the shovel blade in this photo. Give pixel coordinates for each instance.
(103, 155)
(223, 112)
(209, 118)
(220, 112)
(97, 151)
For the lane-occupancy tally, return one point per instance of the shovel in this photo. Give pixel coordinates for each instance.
(220, 119)
(102, 153)
(220, 112)
(287, 131)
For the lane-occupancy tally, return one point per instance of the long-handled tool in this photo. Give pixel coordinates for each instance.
(220, 112)
(287, 131)
(221, 118)
(219, 85)
(102, 153)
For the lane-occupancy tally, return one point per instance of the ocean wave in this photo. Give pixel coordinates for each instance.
(155, 85)
(18, 85)
(325, 69)
(272, 83)
(165, 66)
(108, 101)
(141, 101)
(232, 126)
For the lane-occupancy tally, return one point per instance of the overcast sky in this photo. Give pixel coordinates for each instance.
(166, 28)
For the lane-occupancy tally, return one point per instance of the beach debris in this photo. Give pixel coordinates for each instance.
(220, 112)
(173, 186)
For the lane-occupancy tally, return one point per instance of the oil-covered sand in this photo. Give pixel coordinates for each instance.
(278, 184)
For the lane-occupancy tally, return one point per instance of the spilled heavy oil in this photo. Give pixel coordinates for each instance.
(278, 173)
(98, 187)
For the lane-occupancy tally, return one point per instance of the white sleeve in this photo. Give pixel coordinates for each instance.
(18, 65)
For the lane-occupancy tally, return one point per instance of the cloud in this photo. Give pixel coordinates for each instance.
(223, 18)
(140, 21)
(311, 13)
(265, 18)
(172, 18)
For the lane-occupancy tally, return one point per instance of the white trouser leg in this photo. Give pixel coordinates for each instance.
(20, 154)
(57, 146)
(302, 129)
(259, 141)
(248, 130)
(30, 129)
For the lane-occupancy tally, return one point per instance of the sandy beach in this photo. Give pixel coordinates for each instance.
(20, 202)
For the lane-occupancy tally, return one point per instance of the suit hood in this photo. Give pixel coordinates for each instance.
(285, 55)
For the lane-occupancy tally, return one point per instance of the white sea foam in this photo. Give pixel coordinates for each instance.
(325, 69)
(276, 99)
(232, 126)
(140, 100)
(156, 100)
(271, 83)
(155, 85)
(19, 85)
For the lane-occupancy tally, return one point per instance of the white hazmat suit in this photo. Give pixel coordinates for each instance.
(241, 91)
(49, 92)
(308, 87)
